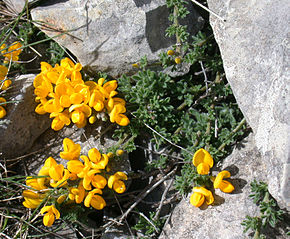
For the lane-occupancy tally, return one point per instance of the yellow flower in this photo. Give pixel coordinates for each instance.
(61, 199)
(71, 69)
(33, 197)
(96, 201)
(116, 115)
(15, 51)
(42, 87)
(203, 161)
(201, 194)
(92, 119)
(60, 119)
(120, 152)
(98, 161)
(97, 100)
(59, 175)
(64, 90)
(31, 203)
(44, 171)
(53, 105)
(77, 194)
(71, 151)
(33, 183)
(3, 72)
(170, 52)
(136, 65)
(79, 114)
(177, 60)
(223, 185)
(51, 214)
(2, 112)
(5, 85)
(116, 183)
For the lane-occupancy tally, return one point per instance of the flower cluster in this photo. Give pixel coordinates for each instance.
(61, 92)
(83, 180)
(12, 53)
(203, 162)
(4, 82)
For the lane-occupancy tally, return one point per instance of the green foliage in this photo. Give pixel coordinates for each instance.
(189, 178)
(150, 227)
(270, 213)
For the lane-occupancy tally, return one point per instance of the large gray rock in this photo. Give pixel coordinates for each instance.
(223, 218)
(254, 43)
(21, 126)
(109, 35)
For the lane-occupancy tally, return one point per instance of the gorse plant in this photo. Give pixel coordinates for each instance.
(270, 213)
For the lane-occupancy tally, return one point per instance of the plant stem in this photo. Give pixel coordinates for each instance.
(240, 125)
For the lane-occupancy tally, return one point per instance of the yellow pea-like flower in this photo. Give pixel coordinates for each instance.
(51, 213)
(201, 194)
(71, 150)
(223, 185)
(96, 201)
(203, 161)
(115, 182)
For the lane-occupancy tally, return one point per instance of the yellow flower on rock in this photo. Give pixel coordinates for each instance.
(96, 201)
(203, 161)
(201, 194)
(223, 185)
(51, 213)
(115, 182)
(71, 151)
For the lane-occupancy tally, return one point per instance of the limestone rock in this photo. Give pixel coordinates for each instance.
(223, 219)
(21, 126)
(254, 43)
(110, 36)
(15, 6)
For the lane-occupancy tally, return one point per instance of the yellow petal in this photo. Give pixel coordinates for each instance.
(226, 186)
(99, 181)
(119, 186)
(40, 109)
(122, 120)
(197, 199)
(75, 166)
(202, 156)
(88, 200)
(98, 202)
(76, 98)
(94, 155)
(61, 199)
(48, 219)
(110, 86)
(57, 124)
(56, 172)
(2, 112)
(221, 175)
(203, 168)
